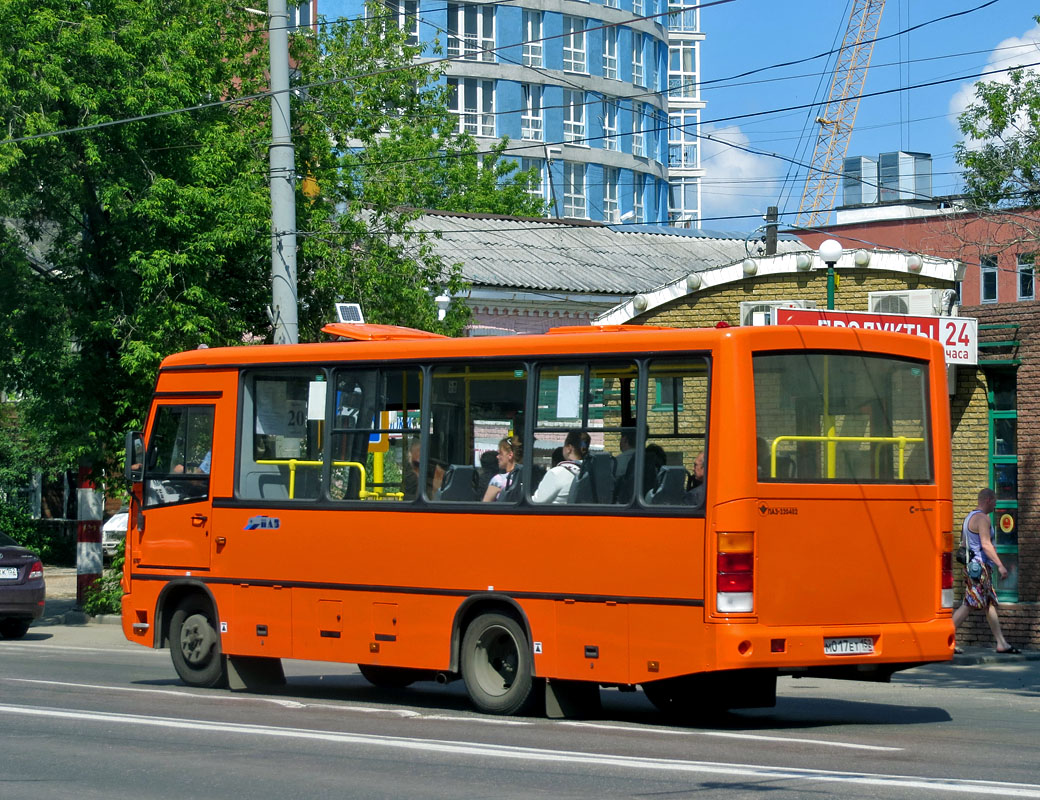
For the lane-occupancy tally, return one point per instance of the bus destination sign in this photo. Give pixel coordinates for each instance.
(959, 336)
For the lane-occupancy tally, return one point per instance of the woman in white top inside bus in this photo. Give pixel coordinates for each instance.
(556, 485)
(510, 453)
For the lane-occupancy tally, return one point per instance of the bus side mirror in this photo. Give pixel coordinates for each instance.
(134, 468)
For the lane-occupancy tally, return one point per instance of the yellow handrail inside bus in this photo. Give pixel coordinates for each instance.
(833, 440)
(293, 463)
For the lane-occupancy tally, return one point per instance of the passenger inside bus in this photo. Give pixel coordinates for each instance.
(510, 454)
(488, 470)
(556, 485)
(410, 479)
(695, 495)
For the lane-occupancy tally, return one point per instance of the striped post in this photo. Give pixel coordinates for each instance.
(90, 505)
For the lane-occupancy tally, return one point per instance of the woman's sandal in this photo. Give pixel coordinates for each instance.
(1011, 651)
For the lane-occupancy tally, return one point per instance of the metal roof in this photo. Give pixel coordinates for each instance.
(577, 255)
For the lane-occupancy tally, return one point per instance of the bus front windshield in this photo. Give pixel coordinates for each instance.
(841, 417)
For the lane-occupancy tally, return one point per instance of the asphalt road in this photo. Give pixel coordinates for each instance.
(84, 714)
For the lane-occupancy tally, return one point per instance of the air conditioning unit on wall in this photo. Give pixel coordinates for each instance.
(763, 312)
(917, 302)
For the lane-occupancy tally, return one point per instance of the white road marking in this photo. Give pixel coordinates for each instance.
(485, 751)
(643, 731)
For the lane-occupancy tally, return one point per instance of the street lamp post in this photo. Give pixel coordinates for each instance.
(830, 251)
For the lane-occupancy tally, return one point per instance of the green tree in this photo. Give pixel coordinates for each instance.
(123, 243)
(1001, 153)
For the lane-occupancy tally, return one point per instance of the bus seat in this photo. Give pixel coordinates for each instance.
(459, 484)
(537, 473)
(595, 481)
(269, 486)
(671, 485)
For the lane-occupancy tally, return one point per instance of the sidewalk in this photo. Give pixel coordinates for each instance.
(60, 606)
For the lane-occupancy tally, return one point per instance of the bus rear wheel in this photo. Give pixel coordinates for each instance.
(195, 645)
(389, 677)
(497, 665)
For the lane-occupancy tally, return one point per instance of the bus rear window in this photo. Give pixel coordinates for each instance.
(841, 417)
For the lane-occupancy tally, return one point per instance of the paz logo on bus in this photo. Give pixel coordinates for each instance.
(780, 511)
(262, 522)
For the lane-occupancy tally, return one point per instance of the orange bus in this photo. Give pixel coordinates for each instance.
(326, 502)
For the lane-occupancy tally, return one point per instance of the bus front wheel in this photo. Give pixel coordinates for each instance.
(195, 645)
(497, 665)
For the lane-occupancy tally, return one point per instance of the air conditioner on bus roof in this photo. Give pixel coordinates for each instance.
(917, 302)
(763, 312)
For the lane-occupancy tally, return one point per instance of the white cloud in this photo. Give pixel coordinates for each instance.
(736, 182)
(1012, 52)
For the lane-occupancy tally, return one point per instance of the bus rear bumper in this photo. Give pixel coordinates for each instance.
(856, 652)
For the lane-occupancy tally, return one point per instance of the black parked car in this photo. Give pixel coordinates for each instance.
(22, 588)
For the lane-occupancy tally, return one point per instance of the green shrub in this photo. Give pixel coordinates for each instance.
(104, 595)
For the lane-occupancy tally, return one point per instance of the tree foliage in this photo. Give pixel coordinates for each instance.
(123, 243)
(1001, 154)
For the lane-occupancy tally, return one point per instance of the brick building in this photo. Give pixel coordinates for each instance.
(996, 430)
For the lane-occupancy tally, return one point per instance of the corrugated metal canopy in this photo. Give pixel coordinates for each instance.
(577, 256)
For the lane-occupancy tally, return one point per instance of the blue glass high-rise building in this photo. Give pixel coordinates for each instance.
(580, 88)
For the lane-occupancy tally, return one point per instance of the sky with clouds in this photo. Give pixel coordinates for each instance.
(753, 162)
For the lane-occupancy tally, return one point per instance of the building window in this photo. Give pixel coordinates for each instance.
(471, 32)
(1002, 391)
(574, 190)
(1026, 274)
(537, 187)
(573, 44)
(611, 3)
(682, 70)
(638, 78)
(682, 19)
(531, 119)
(683, 206)
(610, 53)
(638, 197)
(532, 49)
(573, 116)
(473, 101)
(682, 139)
(299, 17)
(406, 12)
(638, 137)
(610, 129)
(637, 7)
(610, 194)
(988, 279)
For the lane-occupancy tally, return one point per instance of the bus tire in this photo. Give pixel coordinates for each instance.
(195, 645)
(389, 677)
(497, 665)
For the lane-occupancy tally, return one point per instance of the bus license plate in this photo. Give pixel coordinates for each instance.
(8, 573)
(848, 646)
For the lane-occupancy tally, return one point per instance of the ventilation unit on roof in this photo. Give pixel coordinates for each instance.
(918, 302)
(349, 312)
(764, 312)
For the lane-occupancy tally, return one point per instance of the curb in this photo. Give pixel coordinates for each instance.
(984, 656)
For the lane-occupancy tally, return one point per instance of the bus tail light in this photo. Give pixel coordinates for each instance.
(735, 573)
(946, 570)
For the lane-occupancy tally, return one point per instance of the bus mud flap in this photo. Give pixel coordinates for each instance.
(571, 699)
(254, 673)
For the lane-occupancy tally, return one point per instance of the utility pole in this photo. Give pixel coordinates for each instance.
(283, 310)
(772, 213)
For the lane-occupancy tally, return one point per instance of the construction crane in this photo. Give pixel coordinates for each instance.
(839, 114)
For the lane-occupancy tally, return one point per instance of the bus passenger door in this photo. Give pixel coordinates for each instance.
(176, 506)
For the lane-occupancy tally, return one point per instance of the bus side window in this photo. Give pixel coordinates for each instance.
(476, 433)
(375, 428)
(179, 454)
(281, 454)
(676, 427)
